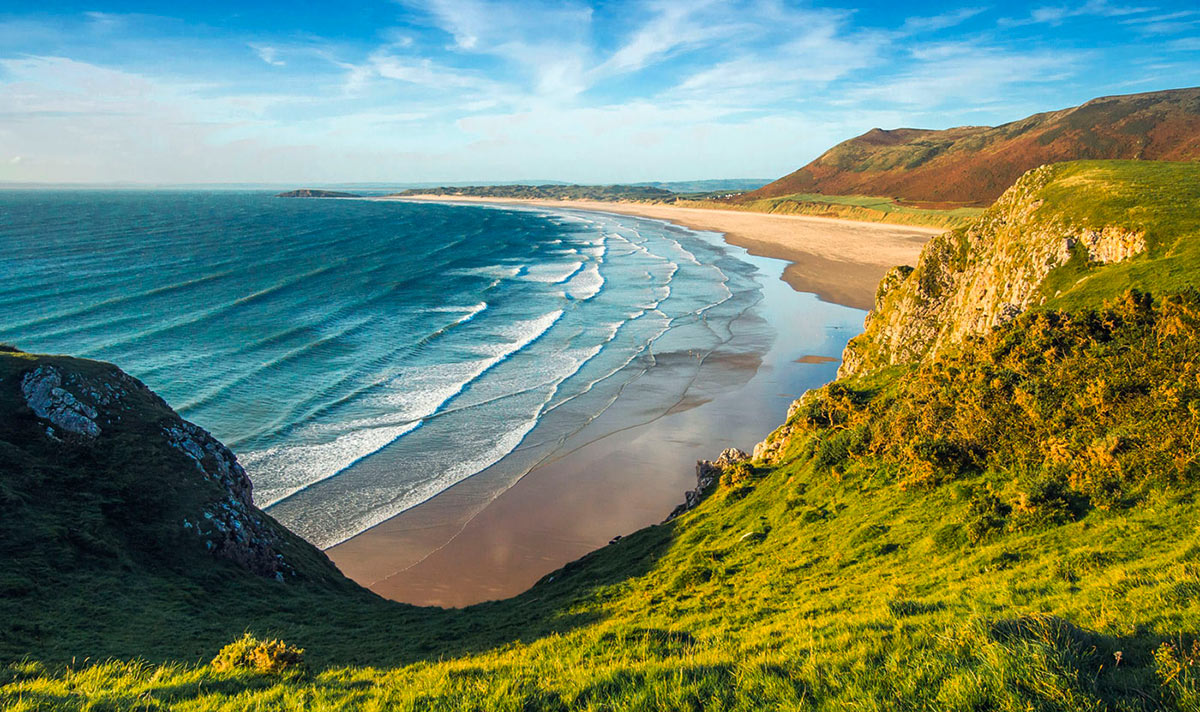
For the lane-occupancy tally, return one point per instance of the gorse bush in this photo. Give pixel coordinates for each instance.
(272, 657)
(1064, 411)
(986, 514)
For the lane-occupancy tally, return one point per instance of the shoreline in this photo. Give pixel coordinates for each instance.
(841, 261)
(486, 538)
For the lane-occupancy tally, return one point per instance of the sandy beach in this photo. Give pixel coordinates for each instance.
(841, 261)
(488, 537)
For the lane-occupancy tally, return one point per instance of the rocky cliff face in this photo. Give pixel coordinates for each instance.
(970, 280)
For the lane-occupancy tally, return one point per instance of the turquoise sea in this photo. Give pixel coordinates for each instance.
(361, 356)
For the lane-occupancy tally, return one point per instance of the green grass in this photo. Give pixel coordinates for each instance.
(851, 207)
(1161, 199)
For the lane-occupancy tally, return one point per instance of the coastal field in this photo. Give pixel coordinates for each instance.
(503, 356)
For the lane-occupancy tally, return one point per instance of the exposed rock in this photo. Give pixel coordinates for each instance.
(707, 474)
(730, 456)
(769, 450)
(45, 395)
(771, 447)
(231, 527)
(970, 280)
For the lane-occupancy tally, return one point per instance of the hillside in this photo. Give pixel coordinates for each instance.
(972, 165)
(1006, 523)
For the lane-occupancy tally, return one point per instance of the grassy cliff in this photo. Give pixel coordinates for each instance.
(1009, 524)
(1068, 234)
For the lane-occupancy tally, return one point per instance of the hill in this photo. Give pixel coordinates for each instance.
(970, 166)
(1001, 520)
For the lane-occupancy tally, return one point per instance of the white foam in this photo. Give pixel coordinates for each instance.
(586, 284)
(411, 395)
(462, 469)
(552, 273)
(282, 471)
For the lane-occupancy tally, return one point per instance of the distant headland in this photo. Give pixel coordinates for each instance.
(313, 193)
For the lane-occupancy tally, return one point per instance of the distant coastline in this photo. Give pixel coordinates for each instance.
(316, 193)
(841, 261)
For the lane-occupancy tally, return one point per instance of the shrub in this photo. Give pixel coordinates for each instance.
(272, 657)
(986, 513)
(1047, 501)
(938, 460)
(949, 537)
(737, 474)
(836, 447)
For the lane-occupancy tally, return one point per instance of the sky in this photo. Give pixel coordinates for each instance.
(393, 91)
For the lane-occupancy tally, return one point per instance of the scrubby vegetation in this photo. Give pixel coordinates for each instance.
(1068, 410)
(273, 657)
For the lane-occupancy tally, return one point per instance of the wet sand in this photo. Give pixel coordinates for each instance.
(489, 537)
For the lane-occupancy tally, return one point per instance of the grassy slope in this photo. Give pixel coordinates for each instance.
(1161, 199)
(853, 574)
(848, 207)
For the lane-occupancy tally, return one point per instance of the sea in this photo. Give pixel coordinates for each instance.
(361, 355)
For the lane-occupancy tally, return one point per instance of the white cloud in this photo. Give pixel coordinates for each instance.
(674, 26)
(953, 18)
(495, 89)
(1057, 14)
(964, 74)
(270, 55)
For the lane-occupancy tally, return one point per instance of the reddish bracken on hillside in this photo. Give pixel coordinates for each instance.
(973, 165)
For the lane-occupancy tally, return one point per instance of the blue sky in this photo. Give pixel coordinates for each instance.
(486, 90)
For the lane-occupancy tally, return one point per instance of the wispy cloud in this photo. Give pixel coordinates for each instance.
(933, 23)
(1057, 14)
